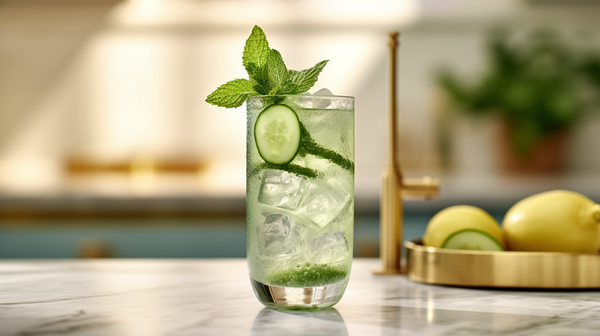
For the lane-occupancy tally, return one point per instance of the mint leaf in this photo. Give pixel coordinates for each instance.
(288, 88)
(276, 69)
(305, 79)
(232, 94)
(256, 51)
(275, 91)
(270, 76)
(261, 76)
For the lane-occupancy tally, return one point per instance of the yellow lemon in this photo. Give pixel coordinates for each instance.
(553, 221)
(460, 218)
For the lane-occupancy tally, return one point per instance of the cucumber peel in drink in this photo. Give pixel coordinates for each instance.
(277, 134)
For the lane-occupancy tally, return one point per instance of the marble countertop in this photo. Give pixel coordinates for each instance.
(214, 297)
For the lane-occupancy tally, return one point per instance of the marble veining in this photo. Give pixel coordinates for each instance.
(214, 297)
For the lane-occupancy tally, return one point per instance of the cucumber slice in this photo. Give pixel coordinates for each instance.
(277, 134)
(470, 239)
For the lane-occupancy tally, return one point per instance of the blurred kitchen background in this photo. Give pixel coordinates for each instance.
(107, 148)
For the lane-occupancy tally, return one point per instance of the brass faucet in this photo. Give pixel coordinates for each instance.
(395, 187)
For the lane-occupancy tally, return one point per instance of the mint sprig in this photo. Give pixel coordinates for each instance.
(267, 72)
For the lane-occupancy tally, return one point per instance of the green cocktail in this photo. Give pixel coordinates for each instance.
(300, 210)
(300, 180)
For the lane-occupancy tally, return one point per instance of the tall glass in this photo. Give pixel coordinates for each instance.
(300, 215)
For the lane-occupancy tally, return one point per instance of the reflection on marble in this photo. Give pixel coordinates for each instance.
(214, 297)
(271, 322)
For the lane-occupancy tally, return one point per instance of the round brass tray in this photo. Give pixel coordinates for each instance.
(501, 269)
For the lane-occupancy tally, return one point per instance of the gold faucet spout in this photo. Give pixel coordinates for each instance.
(424, 188)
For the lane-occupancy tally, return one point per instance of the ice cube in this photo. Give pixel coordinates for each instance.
(278, 237)
(323, 92)
(320, 100)
(331, 247)
(282, 189)
(323, 202)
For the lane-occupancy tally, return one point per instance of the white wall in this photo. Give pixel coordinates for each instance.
(131, 80)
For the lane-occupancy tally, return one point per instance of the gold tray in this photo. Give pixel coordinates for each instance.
(501, 269)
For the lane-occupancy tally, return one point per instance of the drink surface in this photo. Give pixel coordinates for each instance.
(300, 215)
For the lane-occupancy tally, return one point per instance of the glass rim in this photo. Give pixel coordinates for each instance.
(305, 96)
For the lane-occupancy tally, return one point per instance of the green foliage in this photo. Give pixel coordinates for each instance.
(591, 68)
(305, 79)
(256, 51)
(233, 93)
(268, 75)
(538, 85)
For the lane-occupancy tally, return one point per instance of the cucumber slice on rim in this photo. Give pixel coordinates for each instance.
(277, 134)
(470, 239)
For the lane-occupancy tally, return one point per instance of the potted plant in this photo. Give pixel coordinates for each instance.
(540, 87)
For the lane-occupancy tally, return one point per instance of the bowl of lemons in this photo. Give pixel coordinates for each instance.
(547, 240)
